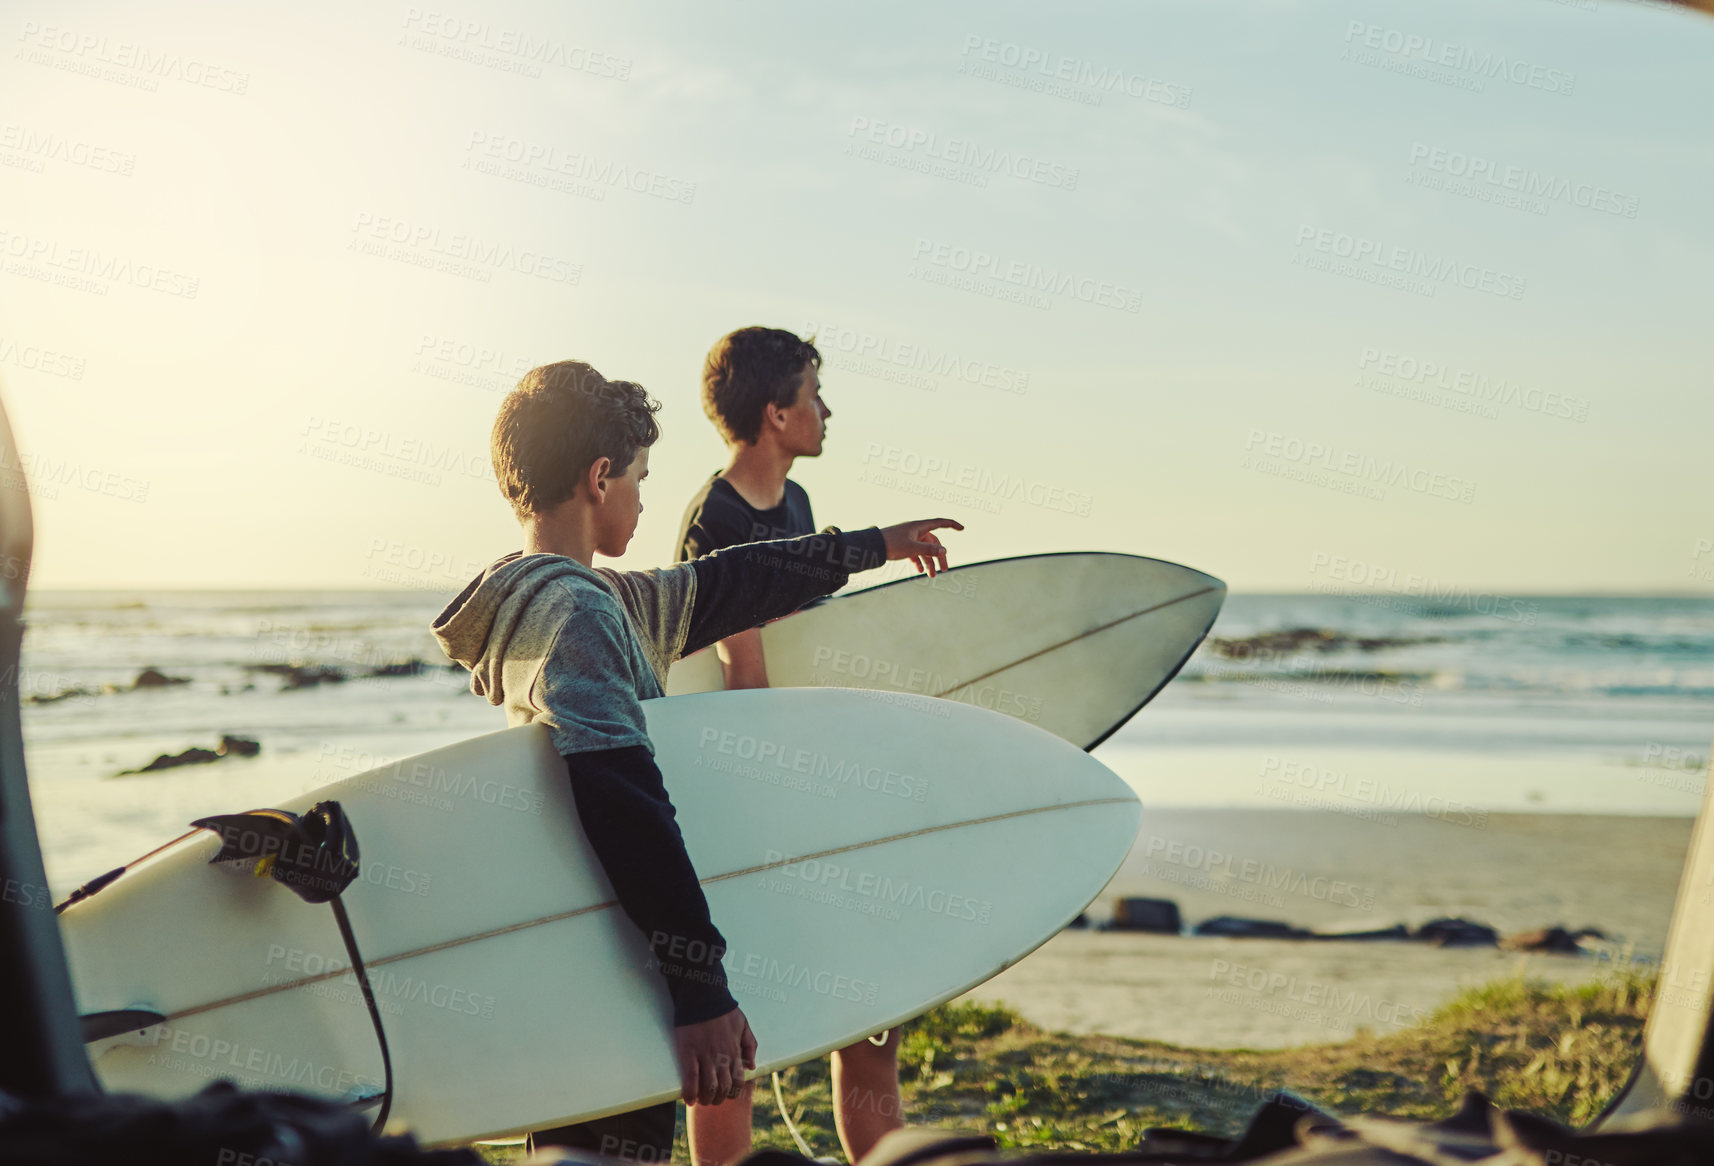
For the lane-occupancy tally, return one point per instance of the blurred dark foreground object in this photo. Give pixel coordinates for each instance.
(221, 1126)
(1288, 1131)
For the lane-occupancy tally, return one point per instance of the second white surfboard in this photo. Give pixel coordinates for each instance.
(1072, 643)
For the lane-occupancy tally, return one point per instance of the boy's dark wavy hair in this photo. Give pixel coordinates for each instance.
(747, 370)
(559, 420)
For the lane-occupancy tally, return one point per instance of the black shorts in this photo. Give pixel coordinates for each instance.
(643, 1135)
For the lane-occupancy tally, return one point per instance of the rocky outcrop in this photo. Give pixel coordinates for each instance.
(229, 746)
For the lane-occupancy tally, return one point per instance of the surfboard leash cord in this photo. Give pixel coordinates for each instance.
(345, 933)
(102, 881)
(791, 1126)
(316, 857)
(878, 1040)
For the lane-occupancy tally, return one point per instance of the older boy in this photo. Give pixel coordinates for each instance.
(762, 390)
(577, 648)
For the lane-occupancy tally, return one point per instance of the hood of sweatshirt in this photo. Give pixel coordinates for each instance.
(477, 628)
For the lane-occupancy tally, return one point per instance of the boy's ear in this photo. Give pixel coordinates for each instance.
(595, 478)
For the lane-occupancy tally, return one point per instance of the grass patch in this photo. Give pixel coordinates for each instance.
(1557, 1051)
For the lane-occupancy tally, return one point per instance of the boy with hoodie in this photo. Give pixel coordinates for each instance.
(558, 641)
(762, 390)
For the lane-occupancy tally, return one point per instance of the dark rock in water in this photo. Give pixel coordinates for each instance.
(1156, 915)
(1396, 931)
(411, 667)
(229, 747)
(63, 694)
(1238, 927)
(154, 678)
(1551, 939)
(1286, 640)
(301, 675)
(238, 747)
(1456, 933)
(174, 760)
(310, 677)
(1289, 641)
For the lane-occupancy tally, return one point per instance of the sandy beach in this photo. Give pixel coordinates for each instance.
(1332, 870)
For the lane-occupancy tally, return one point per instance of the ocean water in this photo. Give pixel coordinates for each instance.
(1551, 704)
(1378, 703)
(227, 647)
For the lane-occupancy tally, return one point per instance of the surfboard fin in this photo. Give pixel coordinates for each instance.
(101, 1025)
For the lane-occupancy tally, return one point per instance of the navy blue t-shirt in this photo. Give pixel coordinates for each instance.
(718, 517)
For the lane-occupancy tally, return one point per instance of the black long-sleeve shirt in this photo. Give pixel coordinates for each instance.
(622, 799)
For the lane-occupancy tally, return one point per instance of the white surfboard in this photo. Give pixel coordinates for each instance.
(1073, 643)
(866, 857)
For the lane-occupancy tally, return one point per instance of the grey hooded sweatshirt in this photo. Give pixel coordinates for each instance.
(578, 649)
(571, 647)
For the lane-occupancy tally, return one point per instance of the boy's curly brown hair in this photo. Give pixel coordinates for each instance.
(747, 370)
(559, 420)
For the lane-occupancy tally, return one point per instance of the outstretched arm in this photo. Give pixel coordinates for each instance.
(742, 586)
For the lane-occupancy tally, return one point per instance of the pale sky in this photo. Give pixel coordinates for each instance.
(1258, 332)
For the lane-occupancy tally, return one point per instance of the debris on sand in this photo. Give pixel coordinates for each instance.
(1456, 933)
(1237, 927)
(1160, 916)
(1554, 939)
(1362, 934)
